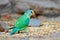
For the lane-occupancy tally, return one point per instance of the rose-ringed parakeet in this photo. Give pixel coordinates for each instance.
(22, 22)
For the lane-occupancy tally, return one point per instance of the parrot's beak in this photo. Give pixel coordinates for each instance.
(33, 14)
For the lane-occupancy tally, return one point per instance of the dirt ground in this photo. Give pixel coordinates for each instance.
(50, 30)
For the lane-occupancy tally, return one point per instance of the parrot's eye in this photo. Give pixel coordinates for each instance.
(31, 11)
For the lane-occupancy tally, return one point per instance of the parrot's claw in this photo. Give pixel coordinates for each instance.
(18, 31)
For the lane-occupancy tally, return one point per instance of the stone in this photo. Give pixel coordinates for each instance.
(4, 6)
(1, 28)
(21, 7)
(35, 23)
(39, 6)
(4, 26)
(4, 2)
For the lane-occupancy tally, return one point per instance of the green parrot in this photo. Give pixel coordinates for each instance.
(22, 22)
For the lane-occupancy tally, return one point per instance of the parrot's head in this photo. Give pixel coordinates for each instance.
(30, 12)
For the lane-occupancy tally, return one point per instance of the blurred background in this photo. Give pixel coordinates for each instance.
(46, 12)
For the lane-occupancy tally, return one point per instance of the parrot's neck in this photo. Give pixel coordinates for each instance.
(27, 15)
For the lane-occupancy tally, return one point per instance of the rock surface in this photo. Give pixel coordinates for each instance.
(44, 7)
(1, 28)
(4, 6)
(41, 3)
(45, 32)
(4, 26)
(39, 6)
(35, 23)
(3, 2)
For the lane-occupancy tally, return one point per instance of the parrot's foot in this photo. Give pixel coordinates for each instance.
(25, 31)
(18, 31)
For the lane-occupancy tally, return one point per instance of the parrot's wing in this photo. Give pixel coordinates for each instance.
(22, 22)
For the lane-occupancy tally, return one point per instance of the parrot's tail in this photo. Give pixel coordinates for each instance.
(12, 28)
(11, 33)
(15, 30)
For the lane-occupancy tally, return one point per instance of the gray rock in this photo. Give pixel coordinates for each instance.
(5, 26)
(4, 2)
(35, 23)
(41, 3)
(37, 5)
(21, 6)
(4, 6)
(2, 32)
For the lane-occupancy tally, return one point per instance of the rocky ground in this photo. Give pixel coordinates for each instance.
(50, 30)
